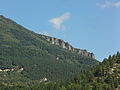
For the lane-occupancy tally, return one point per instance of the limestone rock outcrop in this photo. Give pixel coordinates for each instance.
(67, 46)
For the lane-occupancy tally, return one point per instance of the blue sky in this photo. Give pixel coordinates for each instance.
(87, 24)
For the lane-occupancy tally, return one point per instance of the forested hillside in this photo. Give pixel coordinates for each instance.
(105, 76)
(22, 49)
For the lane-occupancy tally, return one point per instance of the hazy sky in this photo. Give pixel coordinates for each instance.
(87, 24)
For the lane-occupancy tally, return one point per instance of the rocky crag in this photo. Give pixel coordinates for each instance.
(67, 46)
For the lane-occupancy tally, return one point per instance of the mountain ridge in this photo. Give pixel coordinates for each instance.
(66, 45)
(56, 41)
(20, 47)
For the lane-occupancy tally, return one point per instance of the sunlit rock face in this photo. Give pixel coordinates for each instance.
(67, 46)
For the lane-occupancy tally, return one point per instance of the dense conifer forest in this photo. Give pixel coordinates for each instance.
(105, 76)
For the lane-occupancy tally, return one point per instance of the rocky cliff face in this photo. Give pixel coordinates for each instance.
(67, 46)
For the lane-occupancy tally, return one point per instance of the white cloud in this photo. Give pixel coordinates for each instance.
(58, 21)
(109, 4)
(44, 33)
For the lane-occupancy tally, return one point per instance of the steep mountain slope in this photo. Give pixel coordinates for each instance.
(39, 58)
